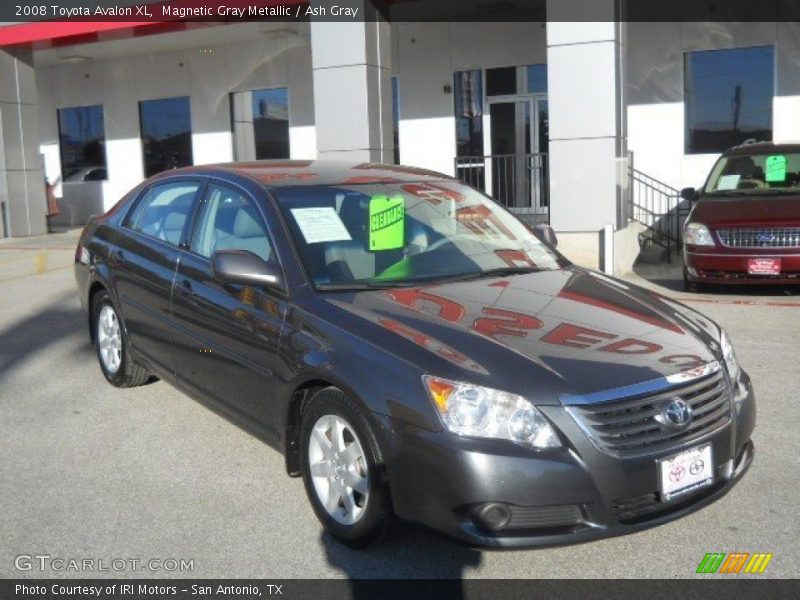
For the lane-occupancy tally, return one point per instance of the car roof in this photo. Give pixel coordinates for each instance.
(762, 148)
(292, 173)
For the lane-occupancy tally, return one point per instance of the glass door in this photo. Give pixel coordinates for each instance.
(510, 133)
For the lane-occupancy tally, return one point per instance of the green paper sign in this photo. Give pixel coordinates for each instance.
(386, 222)
(776, 168)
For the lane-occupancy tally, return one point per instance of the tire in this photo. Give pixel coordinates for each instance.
(358, 461)
(112, 346)
(691, 286)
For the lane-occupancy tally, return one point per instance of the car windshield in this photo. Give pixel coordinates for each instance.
(386, 235)
(754, 174)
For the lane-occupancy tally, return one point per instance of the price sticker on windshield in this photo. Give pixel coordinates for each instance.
(776, 168)
(387, 217)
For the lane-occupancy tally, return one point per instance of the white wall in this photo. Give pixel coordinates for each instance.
(425, 57)
(656, 126)
(207, 75)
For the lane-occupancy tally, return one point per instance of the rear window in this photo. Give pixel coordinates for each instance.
(163, 210)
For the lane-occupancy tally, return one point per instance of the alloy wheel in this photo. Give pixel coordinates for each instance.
(338, 469)
(109, 339)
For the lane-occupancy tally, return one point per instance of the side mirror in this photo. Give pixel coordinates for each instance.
(689, 194)
(546, 234)
(245, 268)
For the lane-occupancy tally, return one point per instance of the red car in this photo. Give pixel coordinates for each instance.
(744, 225)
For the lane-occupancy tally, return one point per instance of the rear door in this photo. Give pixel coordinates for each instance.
(227, 335)
(144, 263)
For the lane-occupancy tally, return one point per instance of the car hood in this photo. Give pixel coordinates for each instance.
(750, 210)
(544, 335)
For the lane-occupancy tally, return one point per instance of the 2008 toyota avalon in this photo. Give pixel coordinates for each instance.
(416, 352)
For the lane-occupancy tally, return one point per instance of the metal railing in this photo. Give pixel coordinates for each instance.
(517, 181)
(659, 207)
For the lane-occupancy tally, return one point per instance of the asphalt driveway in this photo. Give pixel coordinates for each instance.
(89, 471)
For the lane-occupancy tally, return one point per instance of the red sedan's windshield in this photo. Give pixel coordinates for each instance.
(740, 174)
(386, 234)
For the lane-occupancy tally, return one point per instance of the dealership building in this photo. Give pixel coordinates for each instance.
(591, 126)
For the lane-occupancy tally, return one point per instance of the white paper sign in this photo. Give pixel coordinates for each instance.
(320, 224)
(728, 182)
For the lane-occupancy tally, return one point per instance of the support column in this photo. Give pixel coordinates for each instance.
(22, 191)
(588, 145)
(352, 86)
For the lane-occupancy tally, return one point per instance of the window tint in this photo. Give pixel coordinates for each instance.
(166, 127)
(260, 120)
(83, 139)
(163, 211)
(537, 78)
(229, 221)
(728, 97)
(500, 81)
(96, 175)
(468, 88)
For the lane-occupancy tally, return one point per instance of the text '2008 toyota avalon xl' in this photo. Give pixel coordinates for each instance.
(415, 351)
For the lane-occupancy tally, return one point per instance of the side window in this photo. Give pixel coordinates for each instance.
(163, 211)
(229, 221)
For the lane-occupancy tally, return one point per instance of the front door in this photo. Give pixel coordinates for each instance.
(516, 132)
(227, 335)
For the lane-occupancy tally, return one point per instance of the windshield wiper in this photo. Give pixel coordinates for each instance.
(363, 285)
(499, 272)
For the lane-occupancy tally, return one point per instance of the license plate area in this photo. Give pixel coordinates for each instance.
(763, 266)
(686, 472)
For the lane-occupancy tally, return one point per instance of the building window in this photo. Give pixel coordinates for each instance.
(396, 119)
(537, 79)
(728, 97)
(260, 120)
(166, 127)
(501, 81)
(83, 143)
(468, 88)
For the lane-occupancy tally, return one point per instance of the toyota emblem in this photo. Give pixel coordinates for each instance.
(676, 414)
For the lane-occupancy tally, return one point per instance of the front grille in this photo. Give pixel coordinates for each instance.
(639, 509)
(544, 517)
(760, 237)
(631, 426)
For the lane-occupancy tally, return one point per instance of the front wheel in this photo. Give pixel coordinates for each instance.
(342, 470)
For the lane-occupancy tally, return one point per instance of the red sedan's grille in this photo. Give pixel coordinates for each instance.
(760, 237)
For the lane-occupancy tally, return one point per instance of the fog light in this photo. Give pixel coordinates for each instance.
(492, 516)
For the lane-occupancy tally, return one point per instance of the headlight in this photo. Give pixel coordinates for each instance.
(730, 357)
(697, 234)
(473, 410)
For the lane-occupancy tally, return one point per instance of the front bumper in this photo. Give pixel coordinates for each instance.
(567, 495)
(724, 265)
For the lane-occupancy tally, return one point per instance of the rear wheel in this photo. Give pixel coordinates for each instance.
(341, 465)
(112, 347)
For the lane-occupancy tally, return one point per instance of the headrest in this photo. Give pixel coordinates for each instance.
(246, 226)
(174, 221)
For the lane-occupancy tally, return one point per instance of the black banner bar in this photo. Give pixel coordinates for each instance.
(713, 588)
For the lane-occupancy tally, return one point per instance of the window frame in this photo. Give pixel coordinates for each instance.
(210, 180)
(687, 150)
